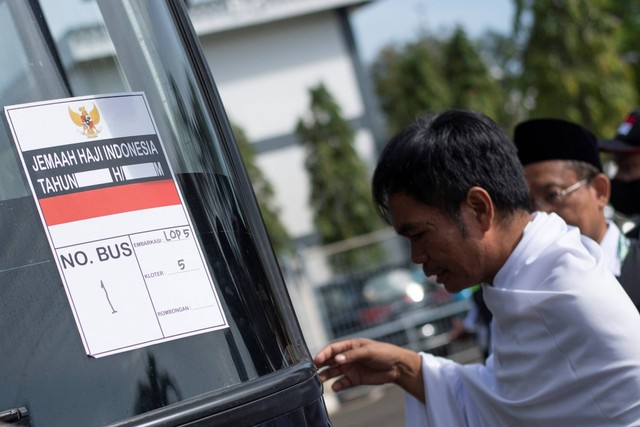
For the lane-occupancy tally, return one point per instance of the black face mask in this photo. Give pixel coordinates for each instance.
(625, 196)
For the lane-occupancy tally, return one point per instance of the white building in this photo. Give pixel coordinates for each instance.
(264, 56)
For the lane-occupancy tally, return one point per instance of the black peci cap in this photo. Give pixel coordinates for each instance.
(627, 139)
(539, 140)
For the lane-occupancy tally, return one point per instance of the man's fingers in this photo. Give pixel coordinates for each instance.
(326, 355)
(329, 373)
(356, 354)
(348, 377)
(342, 384)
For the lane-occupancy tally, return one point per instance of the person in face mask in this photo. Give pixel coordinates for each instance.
(625, 184)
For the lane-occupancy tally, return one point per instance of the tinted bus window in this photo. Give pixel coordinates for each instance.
(54, 51)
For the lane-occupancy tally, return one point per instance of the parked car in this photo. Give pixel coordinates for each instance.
(364, 300)
(390, 293)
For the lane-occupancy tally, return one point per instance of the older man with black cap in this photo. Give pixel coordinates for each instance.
(625, 184)
(562, 165)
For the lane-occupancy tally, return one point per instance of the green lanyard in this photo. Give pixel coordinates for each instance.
(623, 247)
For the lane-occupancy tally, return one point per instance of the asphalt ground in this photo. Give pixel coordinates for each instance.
(381, 407)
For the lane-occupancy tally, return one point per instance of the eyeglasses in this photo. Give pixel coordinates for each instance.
(552, 198)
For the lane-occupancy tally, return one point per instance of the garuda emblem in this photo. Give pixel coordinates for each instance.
(87, 121)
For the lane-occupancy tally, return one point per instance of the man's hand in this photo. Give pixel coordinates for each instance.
(361, 361)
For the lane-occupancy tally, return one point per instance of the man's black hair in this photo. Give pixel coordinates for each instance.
(437, 159)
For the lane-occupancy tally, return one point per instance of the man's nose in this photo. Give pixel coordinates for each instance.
(418, 254)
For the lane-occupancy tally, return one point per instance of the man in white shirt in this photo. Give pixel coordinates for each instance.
(565, 347)
(562, 165)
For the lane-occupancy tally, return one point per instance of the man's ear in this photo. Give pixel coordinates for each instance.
(481, 207)
(602, 186)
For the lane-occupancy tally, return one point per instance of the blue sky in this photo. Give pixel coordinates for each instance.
(395, 21)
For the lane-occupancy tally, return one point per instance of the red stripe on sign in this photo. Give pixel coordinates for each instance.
(109, 201)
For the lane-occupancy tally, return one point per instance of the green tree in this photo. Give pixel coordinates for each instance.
(432, 74)
(409, 81)
(573, 62)
(265, 194)
(339, 184)
(469, 78)
(502, 53)
(627, 14)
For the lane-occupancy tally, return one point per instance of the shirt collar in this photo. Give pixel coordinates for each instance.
(610, 245)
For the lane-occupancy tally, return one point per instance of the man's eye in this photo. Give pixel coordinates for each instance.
(417, 236)
(552, 196)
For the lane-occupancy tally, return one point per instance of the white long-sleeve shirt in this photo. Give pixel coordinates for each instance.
(566, 348)
(612, 247)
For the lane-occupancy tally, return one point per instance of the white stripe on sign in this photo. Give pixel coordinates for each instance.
(94, 177)
(141, 170)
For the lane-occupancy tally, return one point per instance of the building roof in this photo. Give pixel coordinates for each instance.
(211, 16)
(91, 41)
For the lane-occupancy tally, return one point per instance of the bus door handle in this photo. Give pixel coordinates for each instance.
(13, 415)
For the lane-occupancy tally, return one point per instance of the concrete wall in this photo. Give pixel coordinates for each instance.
(263, 74)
